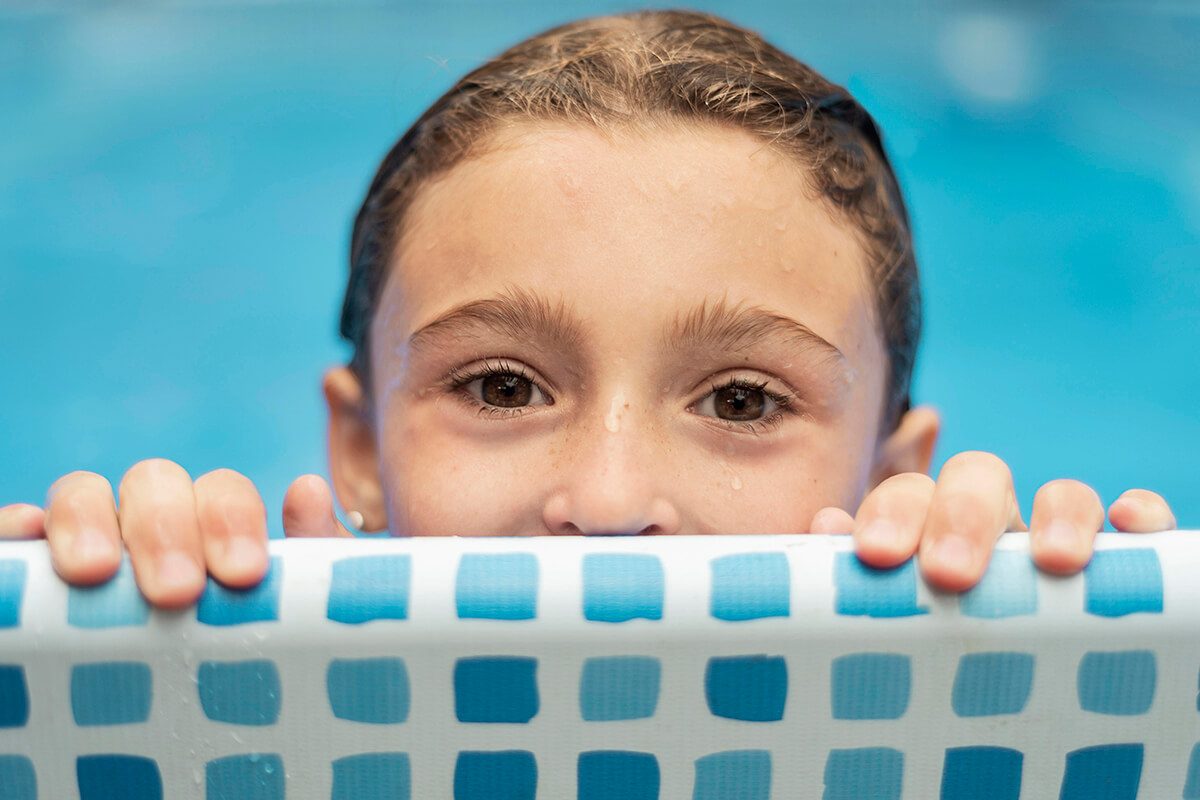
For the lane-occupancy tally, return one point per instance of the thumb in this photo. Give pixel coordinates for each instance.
(308, 510)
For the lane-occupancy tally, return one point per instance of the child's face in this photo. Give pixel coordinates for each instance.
(641, 246)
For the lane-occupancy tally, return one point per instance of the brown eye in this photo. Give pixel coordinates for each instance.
(739, 403)
(506, 391)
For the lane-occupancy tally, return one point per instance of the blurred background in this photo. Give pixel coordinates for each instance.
(178, 180)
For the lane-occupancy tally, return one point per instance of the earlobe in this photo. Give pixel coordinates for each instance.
(353, 454)
(909, 448)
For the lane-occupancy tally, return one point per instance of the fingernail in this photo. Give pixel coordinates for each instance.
(879, 533)
(954, 553)
(91, 545)
(244, 552)
(176, 569)
(1060, 535)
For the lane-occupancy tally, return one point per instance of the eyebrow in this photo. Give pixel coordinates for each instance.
(713, 324)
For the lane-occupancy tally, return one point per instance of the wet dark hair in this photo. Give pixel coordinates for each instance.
(661, 66)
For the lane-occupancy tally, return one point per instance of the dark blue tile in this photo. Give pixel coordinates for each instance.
(733, 775)
(110, 693)
(371, 690)
(1105, 772)
(495, 689)
(1119, 683)
(617, 775)
(981, 773)
(12, 588)
(497, 586)
(866, 591)
(220, 605)
(618, 587)
(752, 688)
(14, 696)
(619, 687)
(992, 683)
(750, 586)
(1124, 581)
(495, 775)
(870, 686)
(254, 776)
(868, 772)
(1191, 790)
(118, 777)
(372, 776)
(366, 588)
(18, 778)
(114, 603)
(240, 692)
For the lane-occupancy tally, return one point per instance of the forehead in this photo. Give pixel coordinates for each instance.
(630, 228)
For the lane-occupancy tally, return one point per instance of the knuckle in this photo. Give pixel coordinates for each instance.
(1066, 490)
(977, 460)
(80, 479)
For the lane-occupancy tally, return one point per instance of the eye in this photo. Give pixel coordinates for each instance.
(497, 385)
(745, 405)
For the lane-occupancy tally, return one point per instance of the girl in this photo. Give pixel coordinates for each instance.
(638, 274)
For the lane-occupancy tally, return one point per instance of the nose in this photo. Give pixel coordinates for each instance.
(612, 482)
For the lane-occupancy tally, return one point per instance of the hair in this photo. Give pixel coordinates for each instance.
(657, 66)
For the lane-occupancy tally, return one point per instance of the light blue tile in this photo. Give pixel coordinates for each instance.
(495, 775)
(114, 603)
(870, 685)
(752, 688)
(366, 588)
(733, 775)
(1124, 581)
(497, 586)
(981, 773)
(118, 777)
(12, 587)
(750, 586)
(110, 693)
(373, 690)
(372, 776)
(240, 692)
(619, 687)
(992, 683)
(868, 772)
(617, 775)
(866, 591)
(253, 776)
(18, 778)
(1105, 772)
(1008, 588)
(1120, 683)
(618, 587)
(14, 696)
(220, 605)
(496, 689)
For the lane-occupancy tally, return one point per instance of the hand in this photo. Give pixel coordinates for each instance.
(176, 530)
(952, 525)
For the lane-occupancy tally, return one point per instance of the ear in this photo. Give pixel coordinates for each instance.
(909, 448)
(353, 455)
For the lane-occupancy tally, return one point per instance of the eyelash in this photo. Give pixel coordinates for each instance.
(458, 379)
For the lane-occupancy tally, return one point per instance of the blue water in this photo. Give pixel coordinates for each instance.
(177, 182)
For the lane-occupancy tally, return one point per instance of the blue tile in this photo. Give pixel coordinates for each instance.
(1118, 682)
(18, 778)
(220, 605)
(254, 776)
(866, 591)
(497, 586)
(617, 775)
(622, 586)
(1125, 581)
(371, 690)
(752, 688)
(619, 687)
(112, 604)
(733, 775)
(992, 683)
(240, 692)
(110, 693)
(495, 775)
(372, 776)
(14, 696)
(12, 588)
(118, 777)
(870, 686)
(495, 689)
(1105, 772)
(1008, 588)
(1191, 790)
(869, 772)
(366, 588)
(750, 586)
(981, 773)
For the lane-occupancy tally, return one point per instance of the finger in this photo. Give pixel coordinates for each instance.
(158, 523)
(308, 509)
(890, 520)
(22, 521)
(1141, 511)
(81, 524)
(831, 520)
(233, 527)
(1067, 514)
(972, 505)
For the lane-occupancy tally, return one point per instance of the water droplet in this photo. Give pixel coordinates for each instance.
(196, 776)
(612, 420)
(736, 483)
(268, 767)
(781, 225)
(253, 758)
